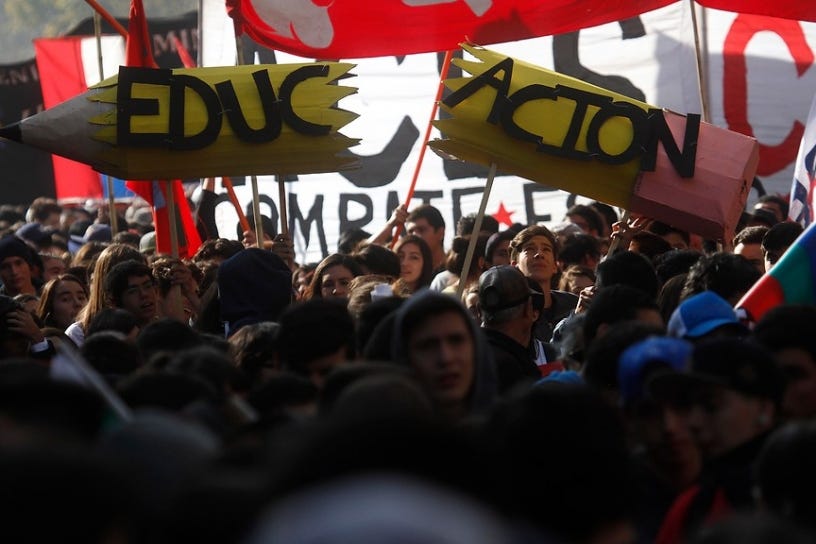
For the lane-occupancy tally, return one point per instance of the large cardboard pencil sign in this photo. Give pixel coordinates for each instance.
(567, 134)
(162, 124)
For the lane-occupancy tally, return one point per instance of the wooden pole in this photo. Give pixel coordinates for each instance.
(256, 212)
(114, 217)
(282, 205)
(443, 75)
(117, 26)
(171, 212)
(477, 228)
(702, 81)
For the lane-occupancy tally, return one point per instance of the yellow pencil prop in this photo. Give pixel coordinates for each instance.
(201, 122)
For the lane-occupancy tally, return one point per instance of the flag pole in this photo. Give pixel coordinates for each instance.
(282, 205)
(256, 199)
(242, 218)
(443, 75)
(171, 212)
(698, 53)
(477, 228)
(117, 26)
(114, 218)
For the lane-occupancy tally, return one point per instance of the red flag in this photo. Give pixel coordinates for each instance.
(140, 53)
(343, 29)
(184, 55)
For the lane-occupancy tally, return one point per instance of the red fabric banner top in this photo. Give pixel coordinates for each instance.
(343, 29)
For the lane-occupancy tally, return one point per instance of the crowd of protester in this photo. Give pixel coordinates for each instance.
(587, 383)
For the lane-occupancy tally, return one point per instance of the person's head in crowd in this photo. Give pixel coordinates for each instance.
(112, 355)
(580, 249)
(332, 277)
(786, 475)
(565, 490)
(61, 300)
(319, 336)
(649, 244)
(677, 238)
(497, 250)
(98, 232)
(762, 217)
(668, 299)
(726, 274)
(284, 397)
(255, 285)
(147, 244)
(217, 250)
(128, 237)
(45, 211)
(576, 278)
(628, 268)
(436, 338)
(564, 230)
(371, 317)
(130, 286)
(789, 331)
(211, 365)
(165, 336)
(71, 215)
(470, 298)
(350, 240)
(76, 235)
(115, 320)
(302, 277)
(140, 219)
(107, 259)
(87, 254)
(587, 218)
(659, 429)
(365, 289)
(10, 216)
(427, 222)
(705, 315)
(466, 224)
(37, 236)
(748, 243)
(534, 251)
(377, 259)
(254, 351)
(269, 227)
(609, 215)
(53, 266)
(456, 258)
(777, 240)
(617, 303)
(775, 204)
(735, 389)
(16, 266)
(416, 262)
(175, 280)
(675, 263)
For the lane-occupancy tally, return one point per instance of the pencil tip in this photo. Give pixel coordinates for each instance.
(12, 132)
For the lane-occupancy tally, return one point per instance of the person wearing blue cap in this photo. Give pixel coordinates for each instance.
(705, 315)
(664, 450)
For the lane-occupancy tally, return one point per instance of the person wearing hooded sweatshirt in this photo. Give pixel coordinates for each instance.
(435, 336)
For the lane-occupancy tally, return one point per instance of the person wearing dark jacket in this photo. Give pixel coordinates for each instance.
(505, 299)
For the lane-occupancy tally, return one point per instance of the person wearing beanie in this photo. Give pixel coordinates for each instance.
(16, 267)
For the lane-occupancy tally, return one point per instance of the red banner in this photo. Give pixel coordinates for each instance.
(343, 29)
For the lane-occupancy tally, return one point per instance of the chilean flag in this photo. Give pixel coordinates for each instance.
(803, 188)
(792, 280)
